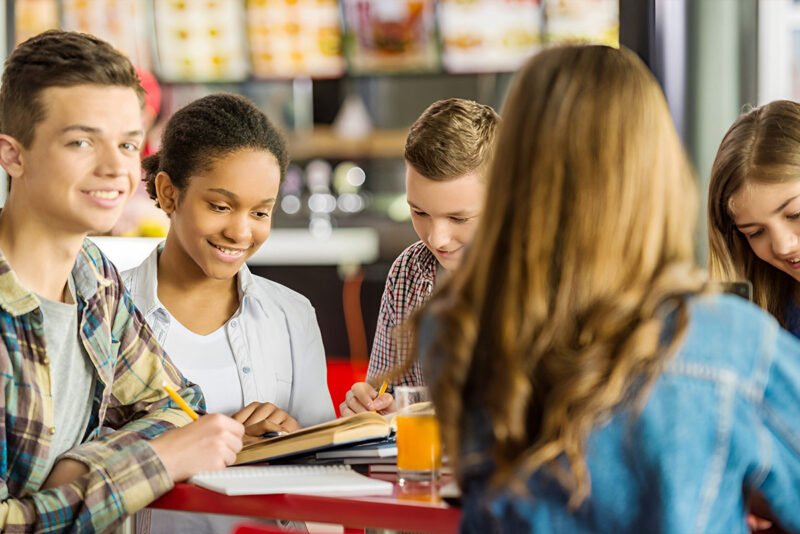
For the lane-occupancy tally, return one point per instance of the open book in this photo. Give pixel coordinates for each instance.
(359, 428)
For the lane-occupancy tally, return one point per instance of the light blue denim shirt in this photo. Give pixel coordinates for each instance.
(722, 420)
(274, 336)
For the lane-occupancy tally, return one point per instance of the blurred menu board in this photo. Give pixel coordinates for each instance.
(488, 35)
(290, 38)
(200, 40)
(582, 21)
(388, 36)
(120, 22)
(32, 17)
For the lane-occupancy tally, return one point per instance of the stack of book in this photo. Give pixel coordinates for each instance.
(365, 441)
(371, 435)
(382, 452)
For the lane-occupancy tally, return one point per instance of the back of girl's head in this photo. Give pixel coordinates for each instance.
(762, 146)
(589, 233)
(590, 169)
(206, 130)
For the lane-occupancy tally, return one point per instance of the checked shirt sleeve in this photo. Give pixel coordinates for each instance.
(138, 410)
(123, 472)
(381, 359)
(408, 286)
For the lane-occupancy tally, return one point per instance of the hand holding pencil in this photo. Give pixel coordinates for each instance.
(177, 399)
(208, 443)
(363, 397)
(260, 419)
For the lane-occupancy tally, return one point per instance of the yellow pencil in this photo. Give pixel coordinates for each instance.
(382, 390)
(180, 402)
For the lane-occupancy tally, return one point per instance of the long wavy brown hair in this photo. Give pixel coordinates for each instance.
(556, 318)
(762, 146)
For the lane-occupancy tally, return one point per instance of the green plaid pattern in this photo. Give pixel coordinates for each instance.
(129, 407)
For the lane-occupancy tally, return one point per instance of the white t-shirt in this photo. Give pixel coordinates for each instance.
(208, 362)
(71, 374)
(274, 336)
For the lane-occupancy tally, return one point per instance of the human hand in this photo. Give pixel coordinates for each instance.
(261, 417)
(758, 524)
(362, 397)
(208, 444)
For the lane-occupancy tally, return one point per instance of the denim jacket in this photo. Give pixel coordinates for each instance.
(275, 338)
(722, 420)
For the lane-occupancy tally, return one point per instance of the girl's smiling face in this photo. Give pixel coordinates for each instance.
(225, 213)
(768, 215)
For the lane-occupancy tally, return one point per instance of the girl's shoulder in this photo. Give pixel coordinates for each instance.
(723, 310)
(731, 333)
(272, 293)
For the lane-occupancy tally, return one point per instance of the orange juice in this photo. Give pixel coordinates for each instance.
(427, 493)
(419, 447)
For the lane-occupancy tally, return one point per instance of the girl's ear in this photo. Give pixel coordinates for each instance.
(166, 192)
(11, 158)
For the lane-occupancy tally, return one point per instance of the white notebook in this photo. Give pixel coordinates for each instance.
(297, 479)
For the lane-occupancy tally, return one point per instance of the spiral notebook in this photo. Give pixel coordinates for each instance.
(298, 479)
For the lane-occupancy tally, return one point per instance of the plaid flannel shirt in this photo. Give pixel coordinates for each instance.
(408, 286)
(125, 474)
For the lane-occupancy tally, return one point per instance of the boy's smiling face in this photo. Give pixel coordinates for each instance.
(83, 163)
(445, 214)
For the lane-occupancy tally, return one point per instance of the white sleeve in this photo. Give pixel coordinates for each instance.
(311, 400)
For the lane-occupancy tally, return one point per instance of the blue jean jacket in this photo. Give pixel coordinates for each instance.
(723, 420)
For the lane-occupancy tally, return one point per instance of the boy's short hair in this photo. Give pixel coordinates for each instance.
(56, 59)
(452, 138)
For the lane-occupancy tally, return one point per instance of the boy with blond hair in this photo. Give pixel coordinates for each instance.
(447, 153)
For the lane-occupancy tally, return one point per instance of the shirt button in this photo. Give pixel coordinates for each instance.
(52, 430)
(246, 370)
(45, 360)
(234, 323)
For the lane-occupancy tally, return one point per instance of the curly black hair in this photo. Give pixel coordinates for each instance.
(206, 130)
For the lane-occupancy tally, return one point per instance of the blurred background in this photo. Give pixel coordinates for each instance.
(345, 79)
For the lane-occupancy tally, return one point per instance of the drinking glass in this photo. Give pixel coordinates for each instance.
(419, 445)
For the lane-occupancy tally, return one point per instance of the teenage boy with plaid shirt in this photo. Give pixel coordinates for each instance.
(447, 153)
(88, 435)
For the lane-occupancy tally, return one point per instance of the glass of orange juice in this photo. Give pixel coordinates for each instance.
(419, 445)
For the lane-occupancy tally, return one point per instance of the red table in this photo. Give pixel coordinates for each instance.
(418, 510)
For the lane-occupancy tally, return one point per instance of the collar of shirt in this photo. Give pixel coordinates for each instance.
(273, 334)
(142, 282)
(18, 300)
(422, 264)
(422, 276)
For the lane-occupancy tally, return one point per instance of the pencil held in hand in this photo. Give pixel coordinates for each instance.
(383, 388)
(180, 402)
(381, 391)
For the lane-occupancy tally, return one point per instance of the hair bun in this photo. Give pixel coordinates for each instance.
(151, 165)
